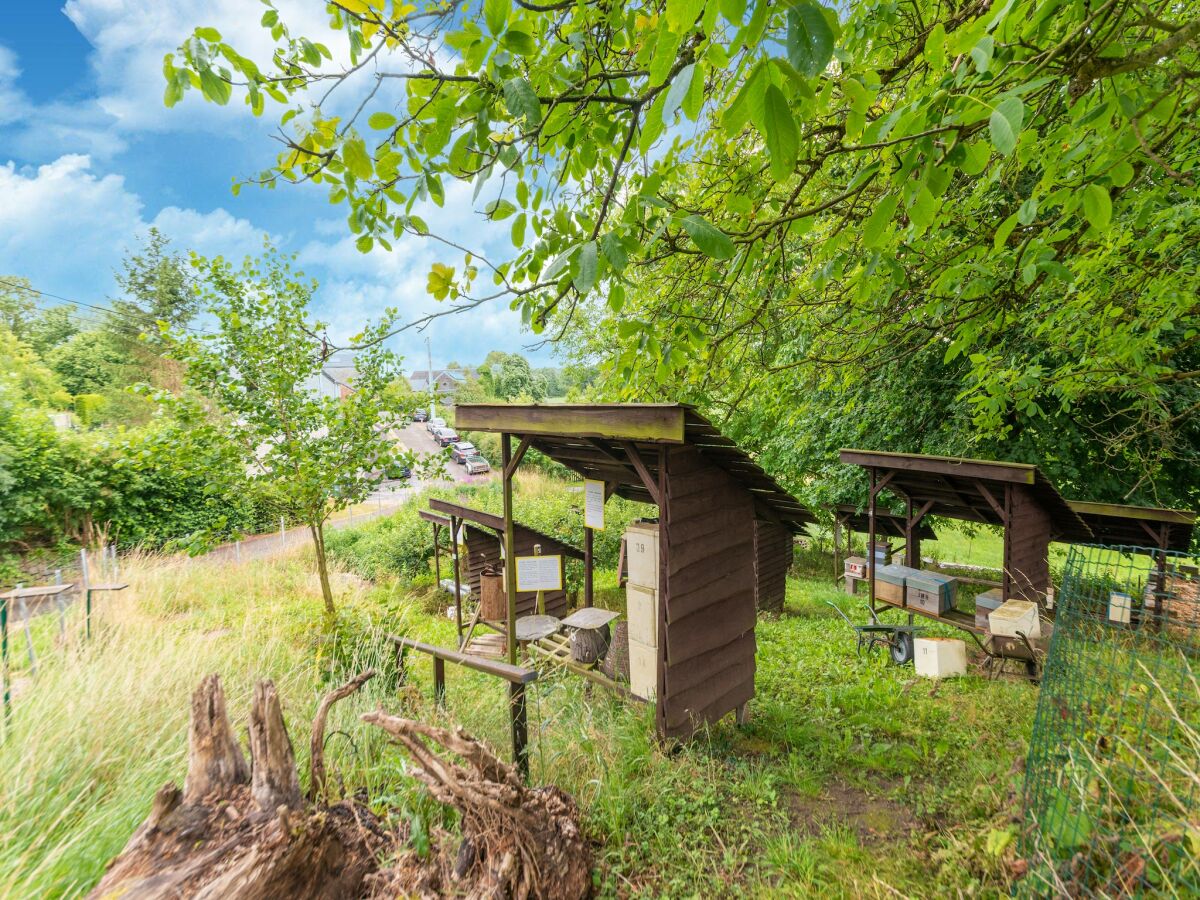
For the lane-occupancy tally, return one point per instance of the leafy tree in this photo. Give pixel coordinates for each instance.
(317, 454)
(25, 376)
(17, 304)
(50, 328)
(88, 362)
(1013, 184)
(157, 287)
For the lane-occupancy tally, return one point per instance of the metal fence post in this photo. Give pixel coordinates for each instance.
(282, 532)
(520, 728)
(28, 634)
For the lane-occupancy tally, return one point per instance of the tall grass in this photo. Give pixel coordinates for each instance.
(104, 725)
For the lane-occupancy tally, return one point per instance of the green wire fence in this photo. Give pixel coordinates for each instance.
(1112, 786)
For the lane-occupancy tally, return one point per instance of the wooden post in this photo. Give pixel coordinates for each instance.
(439, 682)
(520, 726)
(837, 546)
(588, 540)
(24, 607)
(87, 592)
(4, 662)
(437, 558)
(871, 475)
(510, 566)
(455, 525)
(540, 604)
(1006, 575)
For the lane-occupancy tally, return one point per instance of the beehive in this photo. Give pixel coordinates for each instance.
(641, 608)
(643, 669)
(1015, 616)
(938, 657)
(985, 604)
(641, 553)
(931, 592)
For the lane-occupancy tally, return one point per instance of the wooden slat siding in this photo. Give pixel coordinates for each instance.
(772, 559)
(483, 549)
(550, 545)
(708, 587)
(1029, 548)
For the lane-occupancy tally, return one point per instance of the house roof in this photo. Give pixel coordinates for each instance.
(961, 488)
(496, 523)
(611, 441)
(1137, 526)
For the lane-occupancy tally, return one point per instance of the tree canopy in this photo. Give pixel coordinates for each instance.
(1010, 186)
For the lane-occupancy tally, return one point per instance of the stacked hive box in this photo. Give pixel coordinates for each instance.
(641, 603)
(931, 592)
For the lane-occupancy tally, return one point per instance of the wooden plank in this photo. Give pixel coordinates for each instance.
(963, 467)
(510, 673)
(629, 422)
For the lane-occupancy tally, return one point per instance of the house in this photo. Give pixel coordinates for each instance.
(446, 382)
(336, 378)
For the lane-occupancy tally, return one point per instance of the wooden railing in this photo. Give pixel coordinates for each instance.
(516, 676)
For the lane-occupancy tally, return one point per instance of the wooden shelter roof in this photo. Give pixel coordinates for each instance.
(612, 442)
(550, 545)
(886, 523)
(1137, 526)
(960, 488)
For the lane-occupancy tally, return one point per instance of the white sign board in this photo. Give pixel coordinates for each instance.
(539, 573)
(593, 504)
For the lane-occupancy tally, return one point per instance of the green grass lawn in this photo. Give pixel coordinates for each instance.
(853, 778)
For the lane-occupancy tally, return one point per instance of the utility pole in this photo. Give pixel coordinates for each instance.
(432, 385)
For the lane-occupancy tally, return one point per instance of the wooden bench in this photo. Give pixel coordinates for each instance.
(516, 676)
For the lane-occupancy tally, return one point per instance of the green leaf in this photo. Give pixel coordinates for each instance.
(521, 100)
(214, 87)
(1097, 206)
(208, 34)
(1121, 174)
(923, 209)
(354, 155)
(614, 251)
(981, 53)
(879, 220)
(1028, 211)
(382, 121)
(589, 268)
(1005, 124)
(708, 238)
(682, 14)
(499, 209)
(519, 42)
(935, 46)
(666, 44)
(495, 13)
(782, 137)
(737, 113)
(809, 38)
(1002, 233)
(518, 231)
(676, 93)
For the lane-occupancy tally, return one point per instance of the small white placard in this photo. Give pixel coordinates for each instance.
(539, 573)
(593, 504)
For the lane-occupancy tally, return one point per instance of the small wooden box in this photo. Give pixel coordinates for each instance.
(890, 583)
(940, 657)
(641, 552)
(856, 566)
(641, 607)
(888, 592)
(931, 592)
(643, 669)
(1014, 616)
(985, 604)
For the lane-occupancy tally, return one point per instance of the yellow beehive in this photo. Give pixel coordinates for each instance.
(641, 606)
(1015, 616)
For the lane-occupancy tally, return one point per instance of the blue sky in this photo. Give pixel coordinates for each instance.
(90, 159)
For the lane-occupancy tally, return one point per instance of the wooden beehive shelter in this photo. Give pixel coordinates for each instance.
(484, 533)
(710, 495)
(1015, 496)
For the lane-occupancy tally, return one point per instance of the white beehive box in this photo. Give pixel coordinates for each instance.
(1013, 616)
(641, 608)
(641, 553)
(643, 669)
(1120, 607)
(940, 657)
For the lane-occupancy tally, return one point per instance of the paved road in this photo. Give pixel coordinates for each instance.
(386, 499)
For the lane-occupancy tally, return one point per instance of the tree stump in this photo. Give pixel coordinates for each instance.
(242, 832)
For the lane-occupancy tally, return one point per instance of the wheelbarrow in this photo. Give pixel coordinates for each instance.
(897, 638)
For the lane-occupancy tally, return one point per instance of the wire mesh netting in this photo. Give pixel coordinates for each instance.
(1112, 787)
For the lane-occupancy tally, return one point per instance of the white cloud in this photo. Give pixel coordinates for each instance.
(12, 100)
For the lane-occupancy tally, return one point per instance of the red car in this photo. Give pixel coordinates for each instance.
(460, 450)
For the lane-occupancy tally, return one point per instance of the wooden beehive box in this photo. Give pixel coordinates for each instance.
(931, 592)
(856, 566)
(985, 604)
(641, 551)
(890, 583)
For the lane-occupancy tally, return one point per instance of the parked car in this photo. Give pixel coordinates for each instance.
(397, 473)
(445, 437)
(434, 424)
(477, 465)
(460, 450)
(420, 416)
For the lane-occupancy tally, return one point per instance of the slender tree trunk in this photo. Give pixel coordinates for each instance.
(318, 536)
